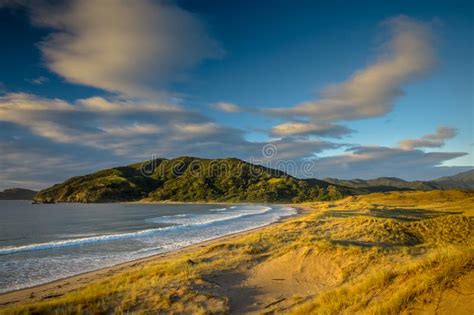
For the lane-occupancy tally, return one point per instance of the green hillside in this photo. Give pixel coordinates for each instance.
(190, 179)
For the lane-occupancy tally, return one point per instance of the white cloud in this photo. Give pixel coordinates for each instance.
(75, 138)
(372, 91)
(38, 80)
(197, 129)
(79, 137)
(310, 128)
(227, 107)
(135, 129)
(132, 130)
(100, 104)
(97, 122)
(434, 140)
(129, 47)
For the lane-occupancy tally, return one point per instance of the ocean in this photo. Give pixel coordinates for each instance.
(46, 242)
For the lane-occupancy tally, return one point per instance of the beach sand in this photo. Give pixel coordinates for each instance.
(62, 286)
(387, 253)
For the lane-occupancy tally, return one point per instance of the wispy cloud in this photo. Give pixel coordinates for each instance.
(116, 130)
(434, 140)
(130, 47)
(407, 54)
(38, 80)
(111, 124)
(227, 107)
(150, 43)
(310, 128)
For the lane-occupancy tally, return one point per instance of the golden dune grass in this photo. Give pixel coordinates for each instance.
(376, 254)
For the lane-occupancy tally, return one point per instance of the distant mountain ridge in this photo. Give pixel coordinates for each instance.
(191, 179)
(463, 180)
(17, 194)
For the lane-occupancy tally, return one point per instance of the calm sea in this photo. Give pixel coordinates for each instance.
(42, 243)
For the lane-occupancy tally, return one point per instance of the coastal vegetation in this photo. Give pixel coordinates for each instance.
(382, 253)
(191, 179)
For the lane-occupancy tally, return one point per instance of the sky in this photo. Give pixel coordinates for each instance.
(320, 89)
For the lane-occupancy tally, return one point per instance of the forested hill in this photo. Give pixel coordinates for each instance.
(191, 179)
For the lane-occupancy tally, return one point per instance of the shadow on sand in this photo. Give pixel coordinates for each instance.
(242, 299)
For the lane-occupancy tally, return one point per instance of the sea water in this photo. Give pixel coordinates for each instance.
(46, 242)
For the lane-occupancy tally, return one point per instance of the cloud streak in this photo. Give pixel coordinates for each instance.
(227, 107)
(130, 47)
(310, 128)
(371, 92)
(434, 140)
(112, 124)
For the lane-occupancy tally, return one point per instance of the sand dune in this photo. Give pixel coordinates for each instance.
(390, 253)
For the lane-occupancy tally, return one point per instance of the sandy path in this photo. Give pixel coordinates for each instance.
(276, 284)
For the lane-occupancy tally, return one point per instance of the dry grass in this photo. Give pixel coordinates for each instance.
(380, 251)
(392, 289)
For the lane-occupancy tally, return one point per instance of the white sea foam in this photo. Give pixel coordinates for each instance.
(179, 221)
(219, 209)
(76, 242)
(36, 267)
(201, 219)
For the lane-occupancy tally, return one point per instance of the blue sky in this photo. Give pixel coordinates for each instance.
(360, 89)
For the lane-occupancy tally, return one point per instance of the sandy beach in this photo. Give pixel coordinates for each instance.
(62, 286)
(385, 253)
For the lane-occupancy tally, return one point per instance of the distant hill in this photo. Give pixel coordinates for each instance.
(17, 194)
(191, 179)
(381, 184)
(225, 180)
(463, 181)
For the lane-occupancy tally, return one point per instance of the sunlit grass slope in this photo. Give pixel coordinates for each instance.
(384, 253)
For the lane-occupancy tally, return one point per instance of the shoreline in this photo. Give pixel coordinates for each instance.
(62, 286)
(159, 202)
